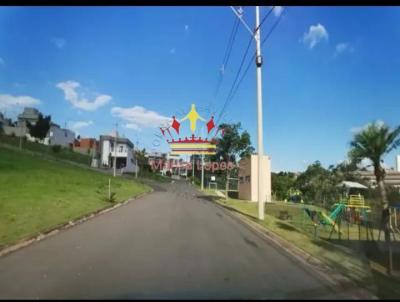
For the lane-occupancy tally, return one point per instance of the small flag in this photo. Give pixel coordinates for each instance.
(210, 124)
(175, 125)
(162, 131)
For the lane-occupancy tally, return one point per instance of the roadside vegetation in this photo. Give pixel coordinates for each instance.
(37, 194)
(350, 263)
(51, 152)
(362, 251)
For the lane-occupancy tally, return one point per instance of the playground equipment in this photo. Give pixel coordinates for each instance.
(351, 209)
(294, 196)
(319, 217)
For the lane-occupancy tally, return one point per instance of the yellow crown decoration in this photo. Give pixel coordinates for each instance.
(193, 144)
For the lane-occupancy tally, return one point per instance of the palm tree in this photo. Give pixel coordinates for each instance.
(373, 142)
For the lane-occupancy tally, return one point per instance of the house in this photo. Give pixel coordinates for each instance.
(4, 122)
(87, 146)
(59, 136)
(156, 158)
(121, 149)
(30, 115)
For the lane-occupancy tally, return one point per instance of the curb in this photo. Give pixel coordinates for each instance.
(334, 280)
(64, 226)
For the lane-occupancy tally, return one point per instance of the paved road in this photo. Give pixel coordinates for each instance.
(168, 244)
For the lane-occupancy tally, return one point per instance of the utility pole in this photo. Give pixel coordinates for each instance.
(202, 166)
(115, 149)
(193, 170)
(136, 169)
(259, 116)
(260, 150)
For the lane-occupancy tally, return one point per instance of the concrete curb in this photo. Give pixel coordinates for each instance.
(335, 280)
(54, 230)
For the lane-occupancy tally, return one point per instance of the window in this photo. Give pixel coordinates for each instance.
(121, 149)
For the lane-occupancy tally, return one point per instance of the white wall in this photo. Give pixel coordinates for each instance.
(58, 136)
(126, 152)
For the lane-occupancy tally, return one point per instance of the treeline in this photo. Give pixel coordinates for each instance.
(318, 185)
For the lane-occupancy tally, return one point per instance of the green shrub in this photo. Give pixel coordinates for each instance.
(56, 148)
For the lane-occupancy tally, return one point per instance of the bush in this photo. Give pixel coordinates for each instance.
(56, 148)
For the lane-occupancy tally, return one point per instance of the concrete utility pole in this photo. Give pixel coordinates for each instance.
(136, 170)
(259, 116)
(260, 150)
(202, 166)
(193, 170)
(115, 149)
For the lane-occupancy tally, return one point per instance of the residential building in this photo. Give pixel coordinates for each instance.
(156, 160)
(87, 146)
(392, 178)
(30, 115)
(59, 136)
(121, 149)
(4, 122)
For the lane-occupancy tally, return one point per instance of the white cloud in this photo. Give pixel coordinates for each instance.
(80, 124)
(133, 127)
(315, 34)
(342, 48)
(137, 117)
(172, 51)
(69, 88)
(186, 28)
(8, 101)
(58, 42)
(2, 61)
(278, 10)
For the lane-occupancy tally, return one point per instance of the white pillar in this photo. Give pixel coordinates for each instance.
(259, 117)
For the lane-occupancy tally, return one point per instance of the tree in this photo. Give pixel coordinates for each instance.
(317, 184)
(233, 145)
(40, 128)
(373, 142)
(282, 183)
(140, 156)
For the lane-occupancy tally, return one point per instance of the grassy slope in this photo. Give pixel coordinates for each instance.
(64, 154)
(36, 194)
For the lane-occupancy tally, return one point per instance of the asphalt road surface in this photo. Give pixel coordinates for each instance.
(170, 244)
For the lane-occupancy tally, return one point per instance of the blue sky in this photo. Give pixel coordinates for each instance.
(327, 71)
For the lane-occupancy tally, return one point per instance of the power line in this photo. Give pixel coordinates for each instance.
(227, 54)
(231, 96)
